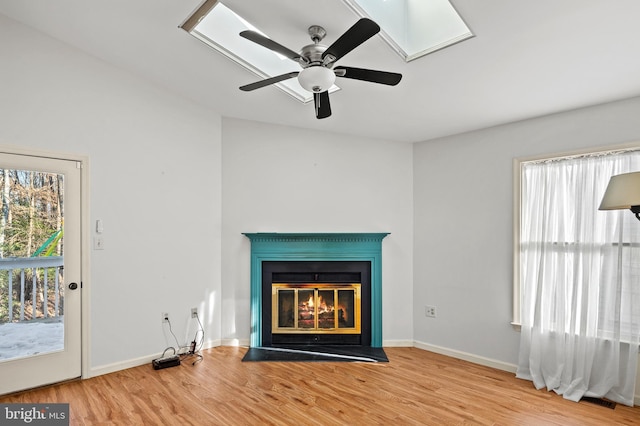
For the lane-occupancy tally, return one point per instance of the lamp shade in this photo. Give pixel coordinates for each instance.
(623, 192)
(316, 79)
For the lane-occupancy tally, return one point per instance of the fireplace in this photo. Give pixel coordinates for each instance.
(292, 274)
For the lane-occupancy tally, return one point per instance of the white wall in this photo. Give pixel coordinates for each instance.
(155, 181)
(281, 179)
(464, 228)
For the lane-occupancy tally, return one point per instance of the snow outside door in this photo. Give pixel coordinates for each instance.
(40, 274)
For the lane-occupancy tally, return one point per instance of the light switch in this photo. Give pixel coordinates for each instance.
(98, 242)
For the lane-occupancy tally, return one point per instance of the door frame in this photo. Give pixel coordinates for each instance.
(85, 246)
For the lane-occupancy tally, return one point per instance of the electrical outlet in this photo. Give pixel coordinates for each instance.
(194, 312)
(430, 311)
(165, 317)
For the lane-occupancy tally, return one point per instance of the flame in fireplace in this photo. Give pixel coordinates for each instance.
(323, 307)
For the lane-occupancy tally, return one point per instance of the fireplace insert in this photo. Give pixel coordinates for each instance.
(315, 308)
(316, 303)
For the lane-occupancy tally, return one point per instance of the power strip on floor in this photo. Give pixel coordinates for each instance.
(165, 362)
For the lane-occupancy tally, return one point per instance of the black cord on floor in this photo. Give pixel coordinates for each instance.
(196, 345)
(193, 350)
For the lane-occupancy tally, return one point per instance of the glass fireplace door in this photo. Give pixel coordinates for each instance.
(316, 308)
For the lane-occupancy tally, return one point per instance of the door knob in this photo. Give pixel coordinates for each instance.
(73, 286)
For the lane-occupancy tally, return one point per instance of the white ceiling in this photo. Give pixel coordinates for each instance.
(527, 59)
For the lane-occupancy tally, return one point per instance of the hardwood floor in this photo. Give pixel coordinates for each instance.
(416, 387)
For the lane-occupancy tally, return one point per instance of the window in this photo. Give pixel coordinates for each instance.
(414, 28)
(579, 264)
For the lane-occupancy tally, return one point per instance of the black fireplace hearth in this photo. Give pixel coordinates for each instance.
(310, 353)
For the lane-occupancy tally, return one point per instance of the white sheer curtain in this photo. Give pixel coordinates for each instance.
(580, 280)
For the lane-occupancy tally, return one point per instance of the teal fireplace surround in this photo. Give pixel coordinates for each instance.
(266, 247)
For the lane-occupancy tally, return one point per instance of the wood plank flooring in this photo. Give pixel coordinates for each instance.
(416, 387)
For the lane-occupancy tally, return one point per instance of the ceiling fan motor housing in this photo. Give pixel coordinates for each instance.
(313, 54)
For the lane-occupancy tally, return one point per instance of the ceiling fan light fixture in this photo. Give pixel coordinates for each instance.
(316, 79)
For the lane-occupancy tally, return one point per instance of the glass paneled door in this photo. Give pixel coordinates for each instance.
(40, 271)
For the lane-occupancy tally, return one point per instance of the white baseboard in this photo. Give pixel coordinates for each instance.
(122, 365)
(136, 362)
(487, 362)
(235, 342)
(397, 343)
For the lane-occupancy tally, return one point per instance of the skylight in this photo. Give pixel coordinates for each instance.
(218, 26)
(414, 28)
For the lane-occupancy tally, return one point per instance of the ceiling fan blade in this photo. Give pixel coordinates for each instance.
(382, 77)
(268, 81)
(360, 32)
(271, 45)
(321, 102)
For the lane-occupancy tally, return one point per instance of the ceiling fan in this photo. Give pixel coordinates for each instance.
(317, 61)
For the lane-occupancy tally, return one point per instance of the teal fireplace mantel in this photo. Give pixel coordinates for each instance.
(266, 247)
